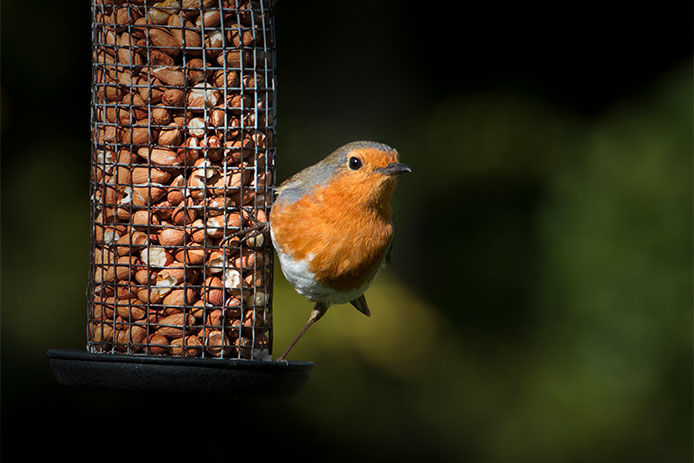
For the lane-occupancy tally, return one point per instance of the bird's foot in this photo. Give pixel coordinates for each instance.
(251, 233)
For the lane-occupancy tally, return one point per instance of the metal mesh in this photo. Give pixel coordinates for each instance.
(183, 148)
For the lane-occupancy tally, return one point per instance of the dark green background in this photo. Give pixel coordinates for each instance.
(538, 308)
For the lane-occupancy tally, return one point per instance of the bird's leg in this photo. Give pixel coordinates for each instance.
(318, 311)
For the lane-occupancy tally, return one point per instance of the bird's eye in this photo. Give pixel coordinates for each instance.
(354, 163)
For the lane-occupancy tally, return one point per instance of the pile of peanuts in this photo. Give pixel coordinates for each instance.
(182, 162)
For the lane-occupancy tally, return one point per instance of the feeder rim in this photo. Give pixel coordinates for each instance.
(77, 354)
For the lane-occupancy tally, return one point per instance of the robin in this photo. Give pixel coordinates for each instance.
(331, 226)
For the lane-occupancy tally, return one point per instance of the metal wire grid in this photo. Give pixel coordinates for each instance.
(183, 148)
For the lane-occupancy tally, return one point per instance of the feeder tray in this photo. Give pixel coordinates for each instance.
(239, 378)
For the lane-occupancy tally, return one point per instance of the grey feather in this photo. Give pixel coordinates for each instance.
(318, 174)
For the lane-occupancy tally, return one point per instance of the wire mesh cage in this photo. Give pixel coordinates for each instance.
(183, 151)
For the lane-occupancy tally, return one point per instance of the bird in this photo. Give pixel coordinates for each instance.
(331, 226)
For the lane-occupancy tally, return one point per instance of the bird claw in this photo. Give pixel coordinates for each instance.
(259, 229)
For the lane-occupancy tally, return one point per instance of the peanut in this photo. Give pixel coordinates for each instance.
(172, 169)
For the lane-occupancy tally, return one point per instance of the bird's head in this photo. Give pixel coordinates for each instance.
(360, 172)
(366, 169)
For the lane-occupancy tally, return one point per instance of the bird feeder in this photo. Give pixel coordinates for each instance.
(183, 148)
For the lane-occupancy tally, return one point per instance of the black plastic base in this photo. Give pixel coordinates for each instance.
(239, 378)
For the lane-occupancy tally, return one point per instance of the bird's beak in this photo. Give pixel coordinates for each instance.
(395, 168)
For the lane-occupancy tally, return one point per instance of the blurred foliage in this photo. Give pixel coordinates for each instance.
(538, 308)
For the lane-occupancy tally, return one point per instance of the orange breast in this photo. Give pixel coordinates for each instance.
(345, 236)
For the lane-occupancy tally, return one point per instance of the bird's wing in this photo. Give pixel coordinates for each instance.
(293, 188)
(311, 177)
(289, 183)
